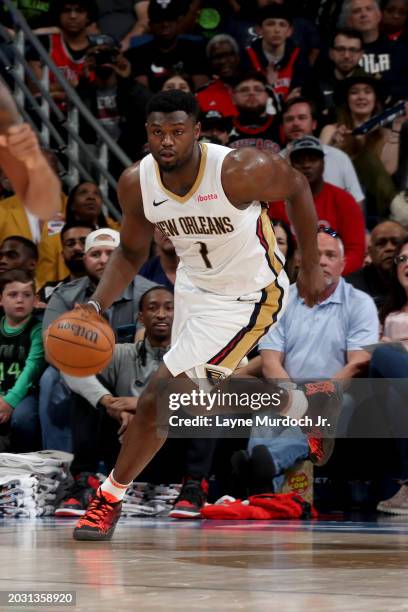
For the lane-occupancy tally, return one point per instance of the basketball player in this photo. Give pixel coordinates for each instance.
(22, 161)
(230, 285)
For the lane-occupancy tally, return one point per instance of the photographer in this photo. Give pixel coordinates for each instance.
(113, 97)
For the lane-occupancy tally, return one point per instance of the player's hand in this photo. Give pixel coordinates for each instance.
(22, 143)
(310, 284)
(87, 310)
(5, 411)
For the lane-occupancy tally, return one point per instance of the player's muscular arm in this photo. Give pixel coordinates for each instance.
(135, 238)
(249, 175)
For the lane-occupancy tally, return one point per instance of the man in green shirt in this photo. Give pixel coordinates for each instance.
(21, 363)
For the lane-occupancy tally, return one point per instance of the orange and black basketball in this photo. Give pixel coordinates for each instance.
(79, 343)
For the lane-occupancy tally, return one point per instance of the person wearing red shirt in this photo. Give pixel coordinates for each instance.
(336, 209)
(216, 95)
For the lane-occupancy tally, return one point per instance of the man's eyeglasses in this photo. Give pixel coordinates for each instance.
(352, 50)
(323, 229)
(399, 259)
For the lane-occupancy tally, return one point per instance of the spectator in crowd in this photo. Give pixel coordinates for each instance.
(255, 125)
(394, 19)
(345, 53)
(304, 35)
(123, 19)
(161, 268)
(285, 66)
(375, 154)
(334, 206)
(376, 278)
(122, 315)
(22, 362)
(111, 398)
(178, 81)
(381, 55)
(67, 48)
(362, 98)
(17, 252)
(300, 119)
(84, 204)
(153, 60)
(287, 246)
(73, 236)
(215, 128)
(224, 66)
(311, 343)
(99, 246)
(108, 89)
(389, 362)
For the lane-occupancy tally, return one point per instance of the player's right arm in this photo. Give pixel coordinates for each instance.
(135, 238)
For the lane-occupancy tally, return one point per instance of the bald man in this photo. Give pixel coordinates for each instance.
(375, 279)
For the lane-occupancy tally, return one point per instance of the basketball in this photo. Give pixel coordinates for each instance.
(79, 343)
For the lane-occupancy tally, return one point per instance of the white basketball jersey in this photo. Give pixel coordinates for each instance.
(222, 249)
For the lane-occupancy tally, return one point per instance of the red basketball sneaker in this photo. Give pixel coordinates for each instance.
(324, 399)
(99, 521)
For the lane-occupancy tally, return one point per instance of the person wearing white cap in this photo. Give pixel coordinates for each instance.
(122, 315)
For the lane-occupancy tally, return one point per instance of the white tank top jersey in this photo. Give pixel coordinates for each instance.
(222, 249)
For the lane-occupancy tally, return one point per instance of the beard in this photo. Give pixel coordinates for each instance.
(75, 266)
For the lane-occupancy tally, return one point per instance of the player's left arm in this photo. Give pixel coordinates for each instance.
(248, 175)
(32, 178)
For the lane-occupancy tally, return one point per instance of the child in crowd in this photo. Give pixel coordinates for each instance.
(21, 363)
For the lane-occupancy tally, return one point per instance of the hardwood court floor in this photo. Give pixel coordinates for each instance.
(165, 565)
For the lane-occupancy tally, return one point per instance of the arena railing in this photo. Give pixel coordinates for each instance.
(73, 148)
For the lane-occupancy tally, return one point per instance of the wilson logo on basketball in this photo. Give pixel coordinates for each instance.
(78, 330)
(206, 197)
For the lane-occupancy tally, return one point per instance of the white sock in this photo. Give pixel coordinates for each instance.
(115, 489)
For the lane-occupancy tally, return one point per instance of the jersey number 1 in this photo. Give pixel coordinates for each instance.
(204, 254)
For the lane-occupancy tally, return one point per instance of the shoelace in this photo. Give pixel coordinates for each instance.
(94, 512)
(316, 447)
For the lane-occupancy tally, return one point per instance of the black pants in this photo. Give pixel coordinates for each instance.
(94, 437)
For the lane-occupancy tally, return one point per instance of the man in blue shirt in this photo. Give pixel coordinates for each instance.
(313, 343)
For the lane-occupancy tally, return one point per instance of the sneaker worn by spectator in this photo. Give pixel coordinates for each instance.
(398, 504)
(324, 400)
(79, 496)
(100, 519)
(192, 498)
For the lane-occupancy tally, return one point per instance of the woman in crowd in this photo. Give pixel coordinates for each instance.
(178, 81)
(391, 362)
(84, 204)
(375, 155)
(287, 246)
